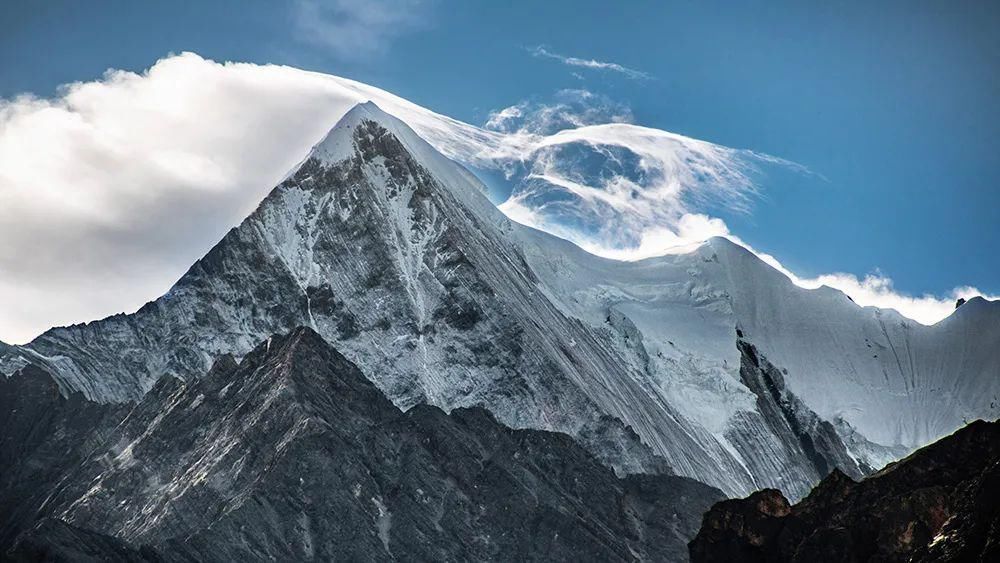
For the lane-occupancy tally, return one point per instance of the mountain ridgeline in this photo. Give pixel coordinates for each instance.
(292, 454)
(706, 364)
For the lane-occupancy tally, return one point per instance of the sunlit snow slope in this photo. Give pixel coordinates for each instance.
(898, 382)
(710, 363)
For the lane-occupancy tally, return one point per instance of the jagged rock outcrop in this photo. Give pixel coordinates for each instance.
(938, 504)
(799, 433)
(292, 454)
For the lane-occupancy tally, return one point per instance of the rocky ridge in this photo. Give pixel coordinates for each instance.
(292, 454)
(938, 504)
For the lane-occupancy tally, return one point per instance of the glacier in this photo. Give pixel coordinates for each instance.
(707, 362)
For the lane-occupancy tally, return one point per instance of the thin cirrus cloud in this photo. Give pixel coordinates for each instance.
(540, 51)
(110, 190)
(357, 29)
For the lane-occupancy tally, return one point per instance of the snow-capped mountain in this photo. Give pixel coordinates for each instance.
(708, 363)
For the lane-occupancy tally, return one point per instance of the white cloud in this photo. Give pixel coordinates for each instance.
(570, 108)
(691, 229)
(622, 186)
(542, 52)
(112, 189)
(357, 29)
(876, 290)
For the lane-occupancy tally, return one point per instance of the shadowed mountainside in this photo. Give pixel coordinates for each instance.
(293, 454)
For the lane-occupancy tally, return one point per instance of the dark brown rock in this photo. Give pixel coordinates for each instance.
(938, 504)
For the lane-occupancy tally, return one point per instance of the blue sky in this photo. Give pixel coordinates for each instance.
(894, 107)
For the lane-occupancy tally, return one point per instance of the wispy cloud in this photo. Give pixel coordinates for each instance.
(586, 173)
(542, 52)
(628, 192)
(570, 108)
(357, 29)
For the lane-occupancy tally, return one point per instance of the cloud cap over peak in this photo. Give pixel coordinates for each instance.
(110, 190)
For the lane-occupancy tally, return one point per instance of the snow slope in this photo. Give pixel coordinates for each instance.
(895, 380)
(898, 382)
(709, 363)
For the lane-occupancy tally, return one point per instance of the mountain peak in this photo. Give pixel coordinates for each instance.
(979, 303)
(300, 341)
(339, 142)
(364, 111)
(353, 133)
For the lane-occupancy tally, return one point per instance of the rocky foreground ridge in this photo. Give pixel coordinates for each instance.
(942, 503)
(293, 454)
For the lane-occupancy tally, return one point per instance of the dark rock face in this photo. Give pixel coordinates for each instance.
(740, 527)
(55, 540)
(800, 434)
(973, 532)
(939, 504)
(43, 435)
(292, 454)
